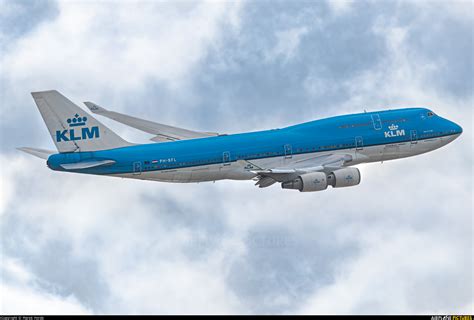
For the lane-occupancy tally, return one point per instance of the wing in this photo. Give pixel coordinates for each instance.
(161, 131)
(324, 163)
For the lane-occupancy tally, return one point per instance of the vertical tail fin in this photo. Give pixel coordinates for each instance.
(71, 128)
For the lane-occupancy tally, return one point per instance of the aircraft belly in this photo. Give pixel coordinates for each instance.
(199, 174)
(206, 173)
(374, 153)
(408, 149)
(195, 174)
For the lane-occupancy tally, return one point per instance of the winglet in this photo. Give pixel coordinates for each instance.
(95, 108)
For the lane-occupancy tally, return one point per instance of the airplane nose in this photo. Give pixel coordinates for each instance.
(457, 128)
(454, 128)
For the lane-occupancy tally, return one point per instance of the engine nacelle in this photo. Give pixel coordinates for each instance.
(346, 177)
(314, 181)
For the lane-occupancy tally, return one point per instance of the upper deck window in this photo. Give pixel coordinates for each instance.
(353, 125)
(394, 120)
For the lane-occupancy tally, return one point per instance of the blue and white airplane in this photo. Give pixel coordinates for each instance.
(305, 157)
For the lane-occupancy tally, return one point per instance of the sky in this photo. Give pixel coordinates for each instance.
(401, 242)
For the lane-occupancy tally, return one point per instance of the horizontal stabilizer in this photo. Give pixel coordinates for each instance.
(40, 153)
(161, 131)
(87, 164)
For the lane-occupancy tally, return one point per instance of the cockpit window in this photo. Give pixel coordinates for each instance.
(430, 113)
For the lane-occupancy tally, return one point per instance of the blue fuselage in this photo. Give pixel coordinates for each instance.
(332, 134)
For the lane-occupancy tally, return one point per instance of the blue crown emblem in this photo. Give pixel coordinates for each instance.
(77, 121)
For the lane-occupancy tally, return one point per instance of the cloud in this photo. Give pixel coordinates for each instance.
(95, 48)
(90, 244)
(128, 46)
(268, 282)
(24, 297)
(287, 43)
(104, 255)
(388, 268)
(18, 18)
(340, 6)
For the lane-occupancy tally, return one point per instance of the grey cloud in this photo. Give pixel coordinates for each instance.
(20, 17)
(201, 216)
(206, 225)
(237, 76)
(58, 269)
(281, 268)
(446, 42)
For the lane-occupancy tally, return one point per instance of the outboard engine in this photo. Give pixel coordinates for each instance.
(314, 181)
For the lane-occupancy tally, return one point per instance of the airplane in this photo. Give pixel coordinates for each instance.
(307, 157)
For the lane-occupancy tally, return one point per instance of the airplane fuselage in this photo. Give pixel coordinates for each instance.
(366, 137)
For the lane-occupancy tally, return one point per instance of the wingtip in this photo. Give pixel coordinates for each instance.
(94, 108)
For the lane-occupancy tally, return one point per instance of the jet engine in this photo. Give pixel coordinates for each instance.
(346, 177)
(318, 181)
(313, 181)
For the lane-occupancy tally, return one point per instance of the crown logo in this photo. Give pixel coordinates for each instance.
(393, 127)
(77, 121)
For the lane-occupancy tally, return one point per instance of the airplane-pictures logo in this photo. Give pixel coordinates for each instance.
(77, 130)
(394, 131)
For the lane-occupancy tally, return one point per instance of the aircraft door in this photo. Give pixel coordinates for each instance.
(226, 158)
(413, 136)
(359, 147)
(359, 143)
(376, 121)
(137, 167)
(288, 151)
